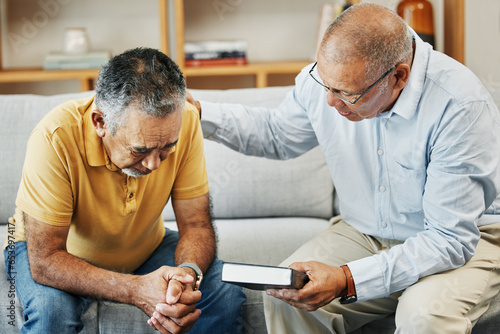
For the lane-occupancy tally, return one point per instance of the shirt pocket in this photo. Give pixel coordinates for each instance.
(407, 186)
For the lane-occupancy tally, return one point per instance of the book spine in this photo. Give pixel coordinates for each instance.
(215, 62)
(215, 55)
(298, 279)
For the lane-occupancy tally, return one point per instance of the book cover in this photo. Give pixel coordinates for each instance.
(260, 277)
(215, 46)
(215, 50)
(215, 55)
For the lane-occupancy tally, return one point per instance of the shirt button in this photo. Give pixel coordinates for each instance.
(383, 224)
(380, 152)
(381, 188)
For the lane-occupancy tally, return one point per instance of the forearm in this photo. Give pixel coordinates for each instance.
(69, 273)
(197, 245)
(270, 133)
(53, 266)
(197, 241)
(401, 266)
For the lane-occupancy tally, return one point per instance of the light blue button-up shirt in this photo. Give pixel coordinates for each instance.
(426, 172)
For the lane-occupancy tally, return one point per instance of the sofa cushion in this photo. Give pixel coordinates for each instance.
(18, 116)
(243, 186)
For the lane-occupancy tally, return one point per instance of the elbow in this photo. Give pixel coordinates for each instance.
(462, 254)
(39, 270)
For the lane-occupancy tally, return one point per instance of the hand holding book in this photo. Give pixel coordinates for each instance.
(325, 284)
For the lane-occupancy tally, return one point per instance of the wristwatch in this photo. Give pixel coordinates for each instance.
(197, 270)
(351, 289)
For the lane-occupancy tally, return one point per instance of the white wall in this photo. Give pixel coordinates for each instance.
(35, 27)
(482, 42)
(274, 29)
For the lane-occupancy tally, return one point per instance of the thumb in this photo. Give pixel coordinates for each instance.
(179, 275)
(300, 266)
(174, 292)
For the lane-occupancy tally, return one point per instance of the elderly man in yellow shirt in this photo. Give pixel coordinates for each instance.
(97, 175)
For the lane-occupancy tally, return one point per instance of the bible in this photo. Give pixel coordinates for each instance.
(259, 277)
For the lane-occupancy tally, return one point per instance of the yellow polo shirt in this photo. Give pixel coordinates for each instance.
(115, 220)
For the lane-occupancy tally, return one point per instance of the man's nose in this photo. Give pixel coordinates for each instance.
(333, 100)
(152, 160)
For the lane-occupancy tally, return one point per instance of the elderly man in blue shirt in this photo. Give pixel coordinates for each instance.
(412, 141)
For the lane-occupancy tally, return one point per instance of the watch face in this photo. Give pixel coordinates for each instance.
(348, 299)
(199, 278)
(197, 270)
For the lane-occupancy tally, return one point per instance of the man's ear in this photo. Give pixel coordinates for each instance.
(98, 122)
(402, 75)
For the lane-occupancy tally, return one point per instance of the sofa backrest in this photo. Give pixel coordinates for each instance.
(241, 186)
(246, 187)
(18, 116)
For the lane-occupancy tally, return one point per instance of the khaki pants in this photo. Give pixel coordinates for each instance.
(450, 301)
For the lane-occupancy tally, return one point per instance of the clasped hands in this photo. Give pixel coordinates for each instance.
(175, 310)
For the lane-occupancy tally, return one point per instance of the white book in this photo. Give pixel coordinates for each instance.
(258, 277)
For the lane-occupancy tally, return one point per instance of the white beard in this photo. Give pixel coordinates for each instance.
(132, 172)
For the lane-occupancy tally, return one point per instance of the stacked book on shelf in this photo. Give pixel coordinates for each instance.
(215, 53)
(78, 61)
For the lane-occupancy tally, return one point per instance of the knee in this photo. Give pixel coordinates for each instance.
(232, 296)
(212, 282)
(430, 318)
(217, 292)
(417, 321)
(54, 311)
(234, 293)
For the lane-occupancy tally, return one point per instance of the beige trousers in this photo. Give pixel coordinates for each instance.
(448, 302)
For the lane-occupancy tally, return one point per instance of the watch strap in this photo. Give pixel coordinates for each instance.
(197, 270)
(351, 289)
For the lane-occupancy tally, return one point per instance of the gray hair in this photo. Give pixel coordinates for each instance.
(141, 76)
(371, 33)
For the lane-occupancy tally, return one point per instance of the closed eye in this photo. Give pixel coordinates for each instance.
(138, 151)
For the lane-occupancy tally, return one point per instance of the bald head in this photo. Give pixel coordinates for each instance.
(368, 33)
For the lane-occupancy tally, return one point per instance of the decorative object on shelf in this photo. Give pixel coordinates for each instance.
(76, 61)
(420, 16)
(350, 3)
(211, 53)
(76, 54)
(76, 40)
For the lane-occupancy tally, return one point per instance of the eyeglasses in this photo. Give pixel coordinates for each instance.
(345, 97)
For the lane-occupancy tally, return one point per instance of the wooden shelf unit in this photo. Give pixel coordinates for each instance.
(86, 77)
(261, 70)
(454, 22)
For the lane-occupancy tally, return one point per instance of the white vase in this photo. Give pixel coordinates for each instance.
(76, 40)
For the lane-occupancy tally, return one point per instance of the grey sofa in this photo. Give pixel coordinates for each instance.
(264, 210)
